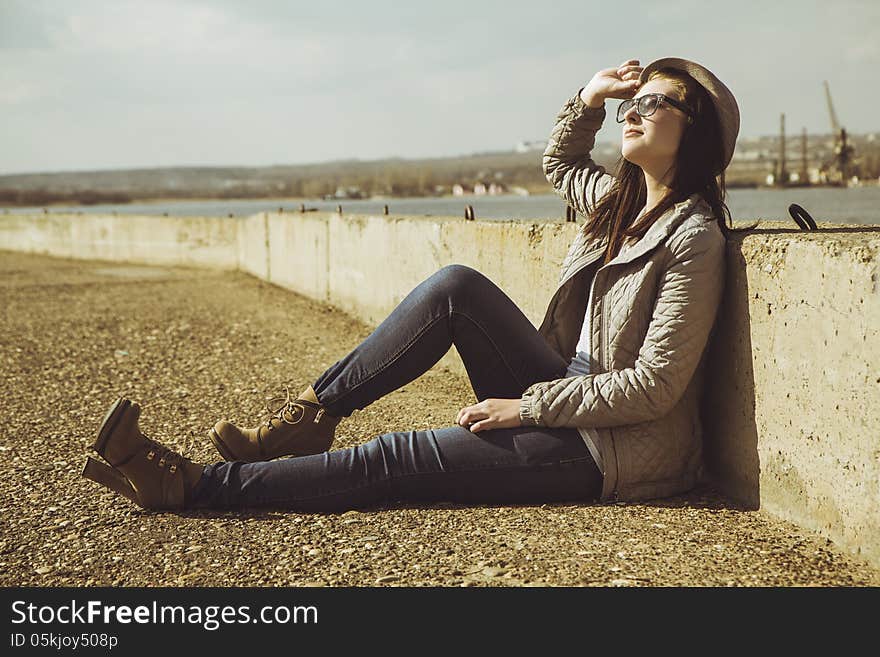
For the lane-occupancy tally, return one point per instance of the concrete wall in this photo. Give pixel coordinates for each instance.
(795, 394)
(793, 401)
(366, 265)
(252, 246)
(147, 239)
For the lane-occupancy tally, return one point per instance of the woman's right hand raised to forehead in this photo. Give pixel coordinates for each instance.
(619, 82)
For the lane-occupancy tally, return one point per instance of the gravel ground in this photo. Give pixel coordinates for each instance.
(195, 346)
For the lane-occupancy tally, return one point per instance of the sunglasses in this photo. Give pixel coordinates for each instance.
(646, 105)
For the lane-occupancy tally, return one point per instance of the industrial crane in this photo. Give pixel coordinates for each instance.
(844, 154)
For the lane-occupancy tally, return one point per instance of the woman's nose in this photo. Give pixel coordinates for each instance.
(631, 115)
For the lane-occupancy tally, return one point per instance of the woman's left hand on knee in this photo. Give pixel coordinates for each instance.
(490, 414)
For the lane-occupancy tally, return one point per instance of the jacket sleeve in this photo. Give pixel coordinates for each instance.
(687, 301)
(566, 161)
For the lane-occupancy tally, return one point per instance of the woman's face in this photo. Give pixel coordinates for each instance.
(651, 142)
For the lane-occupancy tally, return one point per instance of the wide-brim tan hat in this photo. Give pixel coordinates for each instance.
(722, 97)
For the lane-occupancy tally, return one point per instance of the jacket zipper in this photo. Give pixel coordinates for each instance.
(603, 326)
(603, 360)
(604, 329)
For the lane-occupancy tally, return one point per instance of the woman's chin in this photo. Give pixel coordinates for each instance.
(630, 156)
(629, 151)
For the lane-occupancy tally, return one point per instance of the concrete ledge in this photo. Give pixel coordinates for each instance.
(795, 394)
(146, 239)
(793, 404)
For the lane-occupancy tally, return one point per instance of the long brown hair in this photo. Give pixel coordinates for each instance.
(698, 168)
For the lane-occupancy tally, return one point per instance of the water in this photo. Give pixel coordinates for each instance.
(858, 205)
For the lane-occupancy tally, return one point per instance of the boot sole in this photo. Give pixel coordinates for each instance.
(220, 446)
(108, 424)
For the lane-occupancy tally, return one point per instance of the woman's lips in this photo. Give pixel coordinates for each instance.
(630, 133)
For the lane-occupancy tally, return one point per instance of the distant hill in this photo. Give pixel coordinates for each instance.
(395, 177)
(392, 176)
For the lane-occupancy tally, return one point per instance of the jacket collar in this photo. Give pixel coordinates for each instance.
(659, 230)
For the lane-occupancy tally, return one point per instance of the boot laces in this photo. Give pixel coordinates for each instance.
(284, 411)
(163, 455)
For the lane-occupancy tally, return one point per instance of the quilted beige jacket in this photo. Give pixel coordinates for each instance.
(653, 310)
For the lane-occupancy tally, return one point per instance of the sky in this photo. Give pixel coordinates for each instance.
(98, 85)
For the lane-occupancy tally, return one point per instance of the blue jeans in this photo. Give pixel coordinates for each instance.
(503, 354)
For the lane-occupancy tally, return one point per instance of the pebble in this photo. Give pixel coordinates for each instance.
(621, 582)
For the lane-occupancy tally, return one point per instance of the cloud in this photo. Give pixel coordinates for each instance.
(864, 51)
(16, 93)
(126, 26)
(25, 25)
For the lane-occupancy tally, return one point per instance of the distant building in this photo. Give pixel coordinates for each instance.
(457, 190)
(345, 192)
(526, 146)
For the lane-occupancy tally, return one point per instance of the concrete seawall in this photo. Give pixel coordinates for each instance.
(793, 405)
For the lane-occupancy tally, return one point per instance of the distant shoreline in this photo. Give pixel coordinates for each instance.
(156, 200)
(293, 200)
(296, 201)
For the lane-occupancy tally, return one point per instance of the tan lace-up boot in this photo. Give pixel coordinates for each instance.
(296, 427)
(146, 472)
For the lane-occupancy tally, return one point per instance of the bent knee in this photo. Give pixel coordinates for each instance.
(457, 277)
